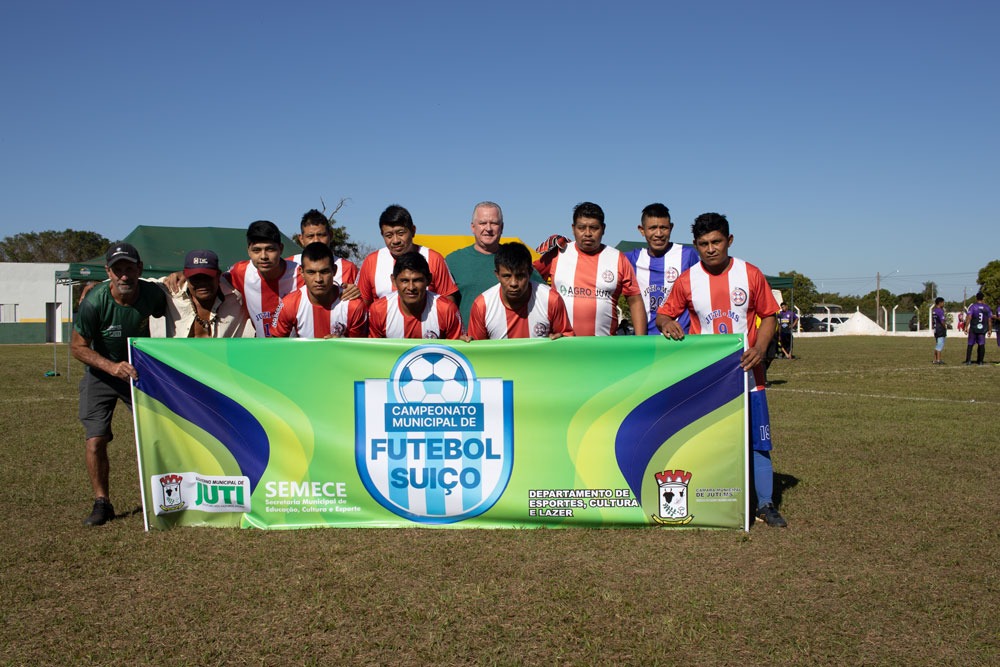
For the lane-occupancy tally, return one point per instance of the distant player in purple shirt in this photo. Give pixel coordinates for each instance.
(996, 323)
(786, 324)
(979, 324)
(659, 264)
(940, 328)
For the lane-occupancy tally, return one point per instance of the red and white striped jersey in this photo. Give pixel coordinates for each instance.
(590, 286)
(727, 303)
(544, 314)
(375, 277)
(301, 318)
(440, 319)
(347, 271)
(261, 297)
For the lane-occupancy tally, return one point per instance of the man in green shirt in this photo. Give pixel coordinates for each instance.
(473, 267)
(113, 312)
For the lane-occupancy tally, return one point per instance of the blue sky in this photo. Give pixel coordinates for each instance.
(841, 139)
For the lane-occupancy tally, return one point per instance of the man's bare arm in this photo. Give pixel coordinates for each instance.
(80, 347)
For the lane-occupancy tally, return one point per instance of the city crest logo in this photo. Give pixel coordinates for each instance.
(433, 443)
(171, 490)
(672, 487)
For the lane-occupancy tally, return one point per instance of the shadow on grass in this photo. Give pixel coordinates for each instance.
(782, 483)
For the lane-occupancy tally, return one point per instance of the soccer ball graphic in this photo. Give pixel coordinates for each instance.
(433, 377)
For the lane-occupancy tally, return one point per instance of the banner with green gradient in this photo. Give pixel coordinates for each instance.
(619, 431)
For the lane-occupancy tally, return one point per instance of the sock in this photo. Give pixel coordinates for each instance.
(763, 477)
(980, 353)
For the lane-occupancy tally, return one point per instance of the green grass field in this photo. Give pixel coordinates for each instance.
(892, 555)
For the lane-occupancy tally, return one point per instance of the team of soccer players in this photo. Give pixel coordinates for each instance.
(408, 291)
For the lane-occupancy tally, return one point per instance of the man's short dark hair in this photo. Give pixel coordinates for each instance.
(938, 300)
(313, 217)
(316, 252)
(980, 296)
(656, 210)
(709, 222)
(263, 231)
(395, 216)
(512, 256)
(588, 210)
(412, 261)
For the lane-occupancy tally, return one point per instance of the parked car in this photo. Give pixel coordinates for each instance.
(810, 323)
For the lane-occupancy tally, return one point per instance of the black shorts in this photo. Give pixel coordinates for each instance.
(99, 393)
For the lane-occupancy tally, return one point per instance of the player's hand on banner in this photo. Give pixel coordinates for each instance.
(751, 357)
(556, 242)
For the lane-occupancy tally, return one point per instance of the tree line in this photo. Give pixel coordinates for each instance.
(806, 295)
(72, 245)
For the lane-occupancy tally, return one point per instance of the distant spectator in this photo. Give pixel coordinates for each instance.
(939, 324)
(979, 323)
(787, 319)
(996, 323)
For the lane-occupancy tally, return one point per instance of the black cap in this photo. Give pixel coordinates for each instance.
(119, 251)
(200, 262)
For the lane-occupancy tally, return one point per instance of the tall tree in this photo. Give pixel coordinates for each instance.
(51, 246)
(930, 291)
(989, 281)
(805, 294)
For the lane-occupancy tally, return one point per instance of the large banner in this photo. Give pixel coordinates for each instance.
(619, 431)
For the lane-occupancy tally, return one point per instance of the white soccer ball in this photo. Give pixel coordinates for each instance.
(434, 377)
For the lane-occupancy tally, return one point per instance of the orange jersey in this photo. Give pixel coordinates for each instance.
(440, 319)
(590, 286)
(727, 303)
(544, 314)
(261, 297)
(375, 276)
(299, 316)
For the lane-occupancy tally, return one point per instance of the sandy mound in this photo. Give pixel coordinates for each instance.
(858, 325)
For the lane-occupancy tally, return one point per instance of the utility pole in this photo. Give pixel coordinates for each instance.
(878, 293)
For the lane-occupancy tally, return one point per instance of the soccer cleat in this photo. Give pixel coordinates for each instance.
(770, 515)
(103, 512)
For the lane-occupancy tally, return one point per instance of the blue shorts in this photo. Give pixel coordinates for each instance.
(939, 344)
